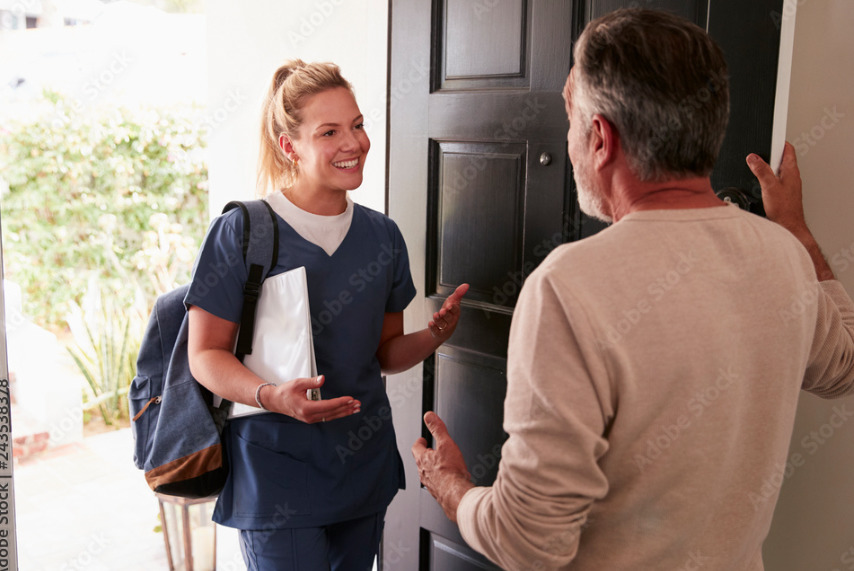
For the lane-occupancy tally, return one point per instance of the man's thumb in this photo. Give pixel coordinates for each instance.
(435, 424)
(758, 167)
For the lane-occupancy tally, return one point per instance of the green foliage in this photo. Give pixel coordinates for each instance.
(106, 342)
(120, 198)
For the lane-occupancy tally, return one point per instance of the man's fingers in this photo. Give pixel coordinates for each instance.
(419, 448)
(789, 162)
(436, 426)
(761, 170)
(766, 176)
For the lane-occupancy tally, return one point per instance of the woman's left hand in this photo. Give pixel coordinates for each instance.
(445, 320)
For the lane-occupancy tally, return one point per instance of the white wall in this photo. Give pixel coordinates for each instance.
(813, 526)
(248, 41)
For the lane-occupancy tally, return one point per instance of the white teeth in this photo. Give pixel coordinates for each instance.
(347, 164)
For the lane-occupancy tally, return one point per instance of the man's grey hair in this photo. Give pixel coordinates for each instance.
(662, 82)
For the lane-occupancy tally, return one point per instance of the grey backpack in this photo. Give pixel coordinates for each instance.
(175, 426)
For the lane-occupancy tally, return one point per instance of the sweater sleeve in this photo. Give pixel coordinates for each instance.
(557, 408)
(830, 372)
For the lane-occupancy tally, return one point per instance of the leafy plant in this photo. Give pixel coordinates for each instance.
(107, 196)
(102, 211)
(106, 342)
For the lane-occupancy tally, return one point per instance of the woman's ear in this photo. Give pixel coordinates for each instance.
(287, 146)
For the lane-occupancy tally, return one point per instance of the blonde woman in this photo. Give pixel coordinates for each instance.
(309, 485)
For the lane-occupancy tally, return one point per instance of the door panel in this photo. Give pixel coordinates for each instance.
(479, 201)
(481, 187)
(483, 45)
(480, 379)
(694, 10)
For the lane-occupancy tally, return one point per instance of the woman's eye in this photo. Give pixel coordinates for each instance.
(328, 133)
(360, 126)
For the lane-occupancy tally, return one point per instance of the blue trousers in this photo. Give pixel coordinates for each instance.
(346, 546)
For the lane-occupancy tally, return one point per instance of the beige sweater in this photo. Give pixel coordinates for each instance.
(653, 375)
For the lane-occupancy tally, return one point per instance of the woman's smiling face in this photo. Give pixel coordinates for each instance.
(332, 143)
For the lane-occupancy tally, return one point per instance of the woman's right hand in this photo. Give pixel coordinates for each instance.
(291, 399)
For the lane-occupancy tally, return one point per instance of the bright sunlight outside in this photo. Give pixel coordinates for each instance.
(103, 202)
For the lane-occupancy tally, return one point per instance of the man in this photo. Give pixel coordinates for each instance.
(654, 368)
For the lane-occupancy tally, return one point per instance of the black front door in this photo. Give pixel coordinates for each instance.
(480, 184)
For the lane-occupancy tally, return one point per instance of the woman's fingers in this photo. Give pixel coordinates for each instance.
(332, 409)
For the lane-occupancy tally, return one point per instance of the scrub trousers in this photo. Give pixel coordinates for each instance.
(345, 546)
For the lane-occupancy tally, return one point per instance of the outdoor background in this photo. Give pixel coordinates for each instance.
(124, 126)
(108, 118)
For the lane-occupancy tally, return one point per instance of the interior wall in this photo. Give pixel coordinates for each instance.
(813, 526)
(248, 41)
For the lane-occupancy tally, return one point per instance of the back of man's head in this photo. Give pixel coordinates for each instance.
(662, 82)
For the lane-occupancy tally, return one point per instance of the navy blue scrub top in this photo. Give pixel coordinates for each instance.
(282, 472)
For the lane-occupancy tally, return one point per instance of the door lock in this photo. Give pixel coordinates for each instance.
(736, 196)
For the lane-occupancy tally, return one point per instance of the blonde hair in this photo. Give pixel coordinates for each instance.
(293, 83)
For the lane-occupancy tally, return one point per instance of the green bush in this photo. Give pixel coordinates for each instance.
(119, 197)
(106, 342)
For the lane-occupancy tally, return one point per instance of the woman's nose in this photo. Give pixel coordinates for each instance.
(356, 140)
(350, 141)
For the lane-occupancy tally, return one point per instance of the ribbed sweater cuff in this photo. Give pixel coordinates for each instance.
(467, 516)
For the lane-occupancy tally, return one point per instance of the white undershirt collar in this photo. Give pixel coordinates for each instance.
(326, 232)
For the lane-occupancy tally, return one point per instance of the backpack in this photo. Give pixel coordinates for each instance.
(176, 428)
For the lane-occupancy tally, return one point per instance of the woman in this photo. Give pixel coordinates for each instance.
(309, 485)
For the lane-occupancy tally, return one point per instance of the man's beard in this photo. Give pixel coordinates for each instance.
(590, 202)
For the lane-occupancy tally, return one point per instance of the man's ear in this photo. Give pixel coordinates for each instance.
(604, 141)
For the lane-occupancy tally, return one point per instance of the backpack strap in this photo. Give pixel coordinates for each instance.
(261, 253)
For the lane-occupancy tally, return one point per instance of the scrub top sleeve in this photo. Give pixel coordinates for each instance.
(220, 272)
(402, 289)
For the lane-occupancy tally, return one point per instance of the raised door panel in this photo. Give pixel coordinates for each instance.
(482, 44)
(478, 197)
